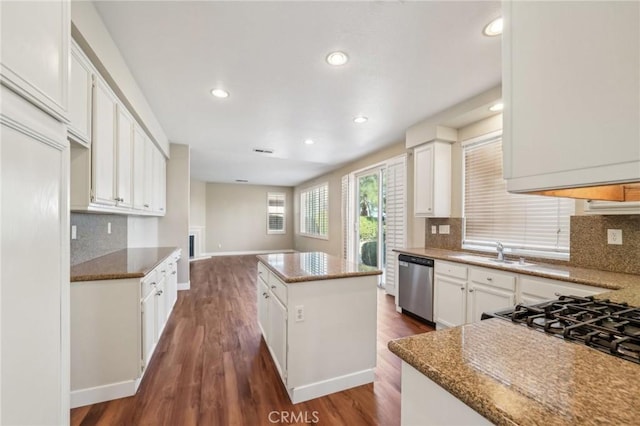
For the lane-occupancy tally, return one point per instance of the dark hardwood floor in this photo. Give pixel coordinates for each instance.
(211, 366)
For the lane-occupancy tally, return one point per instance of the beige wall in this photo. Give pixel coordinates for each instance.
(333, 245)
(142, 231)
(174, 226)
(236, 218)
(198, 203)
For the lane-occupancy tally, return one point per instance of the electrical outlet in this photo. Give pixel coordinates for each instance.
(108, 227)
(445, 229)
(614, 236)
(434, 229)
(299, 313)
(74, 232)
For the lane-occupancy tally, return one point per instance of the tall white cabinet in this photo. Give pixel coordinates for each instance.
(571, 84)
(34, 221)
(432, 179)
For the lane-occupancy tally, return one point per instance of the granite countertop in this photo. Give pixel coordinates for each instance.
(514, 375)
(127, 263)
(314, 266)
(593, 277)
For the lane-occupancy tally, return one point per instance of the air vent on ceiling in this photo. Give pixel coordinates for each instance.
(242, 180)
(263, 150)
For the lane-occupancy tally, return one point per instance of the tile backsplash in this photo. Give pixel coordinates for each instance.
(588, 244)
(93, 240)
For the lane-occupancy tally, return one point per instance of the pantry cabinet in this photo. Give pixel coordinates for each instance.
(432, 179)
(570, 93)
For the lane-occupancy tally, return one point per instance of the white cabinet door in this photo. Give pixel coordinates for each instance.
(432, 179)
(103, 144)
(35, 52)
(148, 312)
(159, 182)
(278, 335)
(483, 298)
(148, 173)
(80, 83)
(161, 310)
(558, 75)
(139, 150)
(172, 283)
(450, 301)
(124, 158)
(263, 309)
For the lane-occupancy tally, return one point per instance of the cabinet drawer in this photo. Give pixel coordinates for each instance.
(547, 289)
(451, 269)
(278, 288)
(263, 273)
(148, 282)
(493, 278)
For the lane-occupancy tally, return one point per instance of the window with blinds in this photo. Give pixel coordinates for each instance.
(276, 212)
(314, 211)
(526, 224)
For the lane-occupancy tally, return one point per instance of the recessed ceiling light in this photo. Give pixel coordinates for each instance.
(309, 141)
(360, 119)
(220, 93)
(496, 107)
(337, 58)
(494, 27)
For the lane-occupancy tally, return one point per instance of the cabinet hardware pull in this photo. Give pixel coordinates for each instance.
(267, 296)
(264, 294)
(146, 205)
(470, 290)
(489, 279)
(557, 294)
(173, 273)
(159, 293)
(462, 288)
(163, 271)
(273, 286)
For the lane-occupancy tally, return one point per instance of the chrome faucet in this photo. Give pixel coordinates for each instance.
(500, 249)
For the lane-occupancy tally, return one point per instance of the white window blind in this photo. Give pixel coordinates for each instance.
(521, 222)
(314, 211)
(395, 218)
(276, 212)
(347, 228)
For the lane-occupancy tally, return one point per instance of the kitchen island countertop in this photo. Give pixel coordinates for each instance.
(122, 264)
(313, 266)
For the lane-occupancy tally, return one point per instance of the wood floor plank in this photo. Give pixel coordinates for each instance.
(212, 367)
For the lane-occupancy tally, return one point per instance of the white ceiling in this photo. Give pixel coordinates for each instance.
(408, 60)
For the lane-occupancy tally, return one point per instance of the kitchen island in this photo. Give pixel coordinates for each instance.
(317, 314)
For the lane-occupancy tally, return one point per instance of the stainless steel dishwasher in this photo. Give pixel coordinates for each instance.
(415, 282)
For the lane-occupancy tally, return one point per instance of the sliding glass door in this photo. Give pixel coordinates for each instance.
(370, 226)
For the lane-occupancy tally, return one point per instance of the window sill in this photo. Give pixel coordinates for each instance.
(317, 237)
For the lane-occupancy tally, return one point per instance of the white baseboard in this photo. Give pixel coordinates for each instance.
(82, 397)
(240, 253)
(326, 387)
(184, 286)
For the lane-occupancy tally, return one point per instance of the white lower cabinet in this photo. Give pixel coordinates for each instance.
(303, 323)
(115, 327)
(462, 293)
(536, 289)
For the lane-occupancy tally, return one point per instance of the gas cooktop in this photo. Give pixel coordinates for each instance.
(609, 327)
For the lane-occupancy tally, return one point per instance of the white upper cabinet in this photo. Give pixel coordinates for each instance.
(35, 52)
(571, 85)
(80, 82)
(139, 149)
(124, 172)
(103, 145)
(432, 179)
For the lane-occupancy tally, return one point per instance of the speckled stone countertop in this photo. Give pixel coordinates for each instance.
(127, 263)
(513, 375)
(593, 277)
(314, 266)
